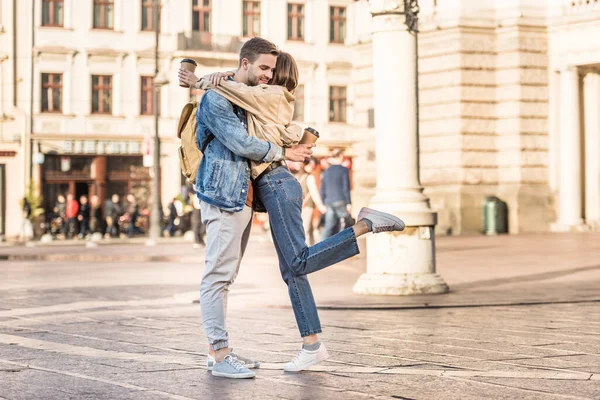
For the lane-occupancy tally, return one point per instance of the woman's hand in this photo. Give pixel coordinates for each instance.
(216, 77)
(187, 77)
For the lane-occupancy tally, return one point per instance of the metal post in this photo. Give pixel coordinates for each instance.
(155, 220)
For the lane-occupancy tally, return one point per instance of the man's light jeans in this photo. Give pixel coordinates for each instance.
(227, 235)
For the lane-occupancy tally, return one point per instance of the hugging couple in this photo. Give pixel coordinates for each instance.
(244, 124)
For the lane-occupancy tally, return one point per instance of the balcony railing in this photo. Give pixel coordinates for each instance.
(209, 42)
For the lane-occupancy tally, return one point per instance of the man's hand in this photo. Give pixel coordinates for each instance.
(299, 152)
(216, 77)
(187, 77)
(323, 209)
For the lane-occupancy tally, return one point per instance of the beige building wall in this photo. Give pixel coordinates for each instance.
(14, 123)
(490, 111)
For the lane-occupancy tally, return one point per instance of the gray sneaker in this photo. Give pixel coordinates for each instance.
(232, 368)
(250, 364)
(382, 222)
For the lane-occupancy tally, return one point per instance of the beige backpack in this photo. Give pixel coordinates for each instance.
(189, 153)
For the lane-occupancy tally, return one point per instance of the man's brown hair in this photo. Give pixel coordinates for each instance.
(255, 47)
(286, 72)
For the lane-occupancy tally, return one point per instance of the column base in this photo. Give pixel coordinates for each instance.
(561, 227)
(401, 264)
(400, 284)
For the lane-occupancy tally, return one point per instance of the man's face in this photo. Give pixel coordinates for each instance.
(261, 70)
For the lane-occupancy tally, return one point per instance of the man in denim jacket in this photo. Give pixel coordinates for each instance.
(224, 188)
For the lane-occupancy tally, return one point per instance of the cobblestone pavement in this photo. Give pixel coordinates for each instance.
(119, 322)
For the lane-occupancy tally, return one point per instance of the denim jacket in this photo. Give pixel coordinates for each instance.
(224, 172)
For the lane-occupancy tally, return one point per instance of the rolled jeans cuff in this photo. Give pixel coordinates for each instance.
(221, 344)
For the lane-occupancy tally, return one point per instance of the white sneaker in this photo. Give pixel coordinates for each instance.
(382, 221)
(306, 358)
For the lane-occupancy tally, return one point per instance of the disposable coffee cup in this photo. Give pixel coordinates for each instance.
(310, 136)
(190, 65)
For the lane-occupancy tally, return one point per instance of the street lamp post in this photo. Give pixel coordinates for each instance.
(399, 263)
(155, 214)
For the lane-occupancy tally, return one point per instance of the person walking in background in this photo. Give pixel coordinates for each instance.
(113, 213)
(133, 212)
(61, 212)
(171, 226)
(72, 213)
(84, 217)
(26, 227)
(310, 198)
(335, 192)
(96, 219)
(197, 225)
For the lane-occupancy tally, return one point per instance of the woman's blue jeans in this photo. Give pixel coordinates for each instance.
(281, 195)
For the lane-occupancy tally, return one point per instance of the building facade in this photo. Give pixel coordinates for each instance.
(508, 97)
(508, 107)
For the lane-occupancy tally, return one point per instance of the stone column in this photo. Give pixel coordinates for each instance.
(400, 263)
(570, 190)
(591, 106)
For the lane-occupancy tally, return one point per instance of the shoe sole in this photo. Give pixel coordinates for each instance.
(308, 365)
(249, 366)
(383, 214)
(234, 376)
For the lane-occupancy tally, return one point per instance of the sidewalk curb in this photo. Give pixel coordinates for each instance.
(427, 306)
(98, 258)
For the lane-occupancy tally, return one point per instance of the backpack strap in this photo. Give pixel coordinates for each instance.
(210, 138)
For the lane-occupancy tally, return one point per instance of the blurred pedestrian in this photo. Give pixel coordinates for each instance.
(133, 212)
(172, 224)
(310, 199)
(26, 227)
(113, 213)
(72, 213)
(335, 192)
(96, 218)
(83, 217)
(197, 225)
(61, 211)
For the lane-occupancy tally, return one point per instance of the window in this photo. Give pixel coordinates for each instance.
(371, 118)
(148, 92)
(148, 16)
(251, 21)
(299, 106)
(103, 14)
(295, 21)
(337, 103)
(337, 24)
(52, 93)
(201, 15)
(101, 94)
(52, 13)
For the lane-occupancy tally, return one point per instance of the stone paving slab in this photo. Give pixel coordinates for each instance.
(130, 330)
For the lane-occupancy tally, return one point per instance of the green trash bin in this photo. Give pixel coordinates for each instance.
(495, 216)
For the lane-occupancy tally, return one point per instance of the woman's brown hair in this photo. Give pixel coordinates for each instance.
(286, 72)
